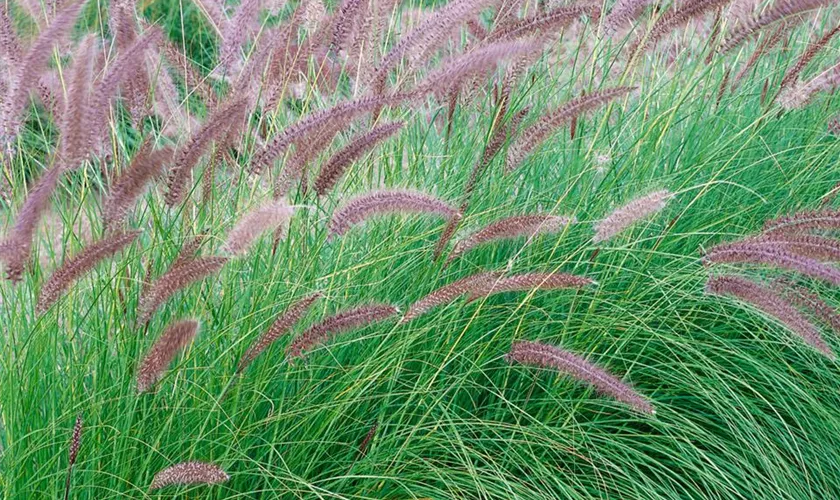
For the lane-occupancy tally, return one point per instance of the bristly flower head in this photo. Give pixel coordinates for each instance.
(280, 326)
(529, 281)
(450, 292)
(175, 337)
(256, 222)
(625, 216)
(175, 280)
(338, 323)
(189, 473)
(374, 203)
(549, 356)
(511, 227)
(75, 267)
(770, 303)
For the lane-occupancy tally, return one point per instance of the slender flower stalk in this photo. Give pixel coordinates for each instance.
(75, 444)
(174, 339)
(510, 227)
(448, 293)
(189, 473)
(255, 223)
(528, 282)
(770, 303)
(175, 280)
(547, 124)
(75, 267)
(281, 326)
(548, 356)
(629, 214)
(339, 323)
(374, 203)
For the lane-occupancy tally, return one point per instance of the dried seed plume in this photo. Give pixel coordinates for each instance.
(626, 216)
(189, 473)
(374, 203)
(336, 324)
(175, 338)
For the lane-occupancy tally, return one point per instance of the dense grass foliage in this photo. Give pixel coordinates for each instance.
(430, 408)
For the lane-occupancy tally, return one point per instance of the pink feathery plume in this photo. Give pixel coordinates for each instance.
(625, 216)
(174, 280)
(78, 265)
(75, 445)
(776, 257)
(375, 203)
(189, 472)
(447, 293)
(281, 326)
(782, 9)
(220, 122)
(336, 324)
(804, 221)
(74, 125)
(670, 21)
(547, 124)
(771, 304)
(236, 33)
(335, 167)
(33, 63)
(510, 227)
(130, 185)
(175, 338)
(528, 282)
(798, 96)
(808, 245)
(255, 223)
(813, 49)
(548, 356)
(15, 250)
(544, 23)
(623, 13)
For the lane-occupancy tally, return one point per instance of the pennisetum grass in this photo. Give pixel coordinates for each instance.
(176, 337)
(775, 256)
(186, 473)
(627, 215)
(253, 224)
(374, 203)
(173, 281)
(281, 326)
(510, 227)
(450, 292)
(770, 303)
(548, 356)
(75, 267)
(126, 189)
(338, 323)
(527, 282)
(73, 453)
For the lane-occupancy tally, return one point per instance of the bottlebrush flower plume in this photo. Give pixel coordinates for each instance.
(75, 444)
(335, 167)
(813, 49)
(344, 22)
(74, 126)
(253, 224)
(336, 324)
(176, 336)
(129, 186)
(450, 292)
(547, 124)
(280, 326)
(33, 63)
(548, 356)
(220, 122)
(771, 304)
(780, 10)
(374, 203)
(668, 22)
(805, 299)
(774, 256)
(528, 282)
(542, 24)
(79, 264)
(189, 473)
(798, 96)
(624, 217)
(808, 245)
(16, 248)
(623, 13)
(510, 227)
(804, 221)
(175, 280)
